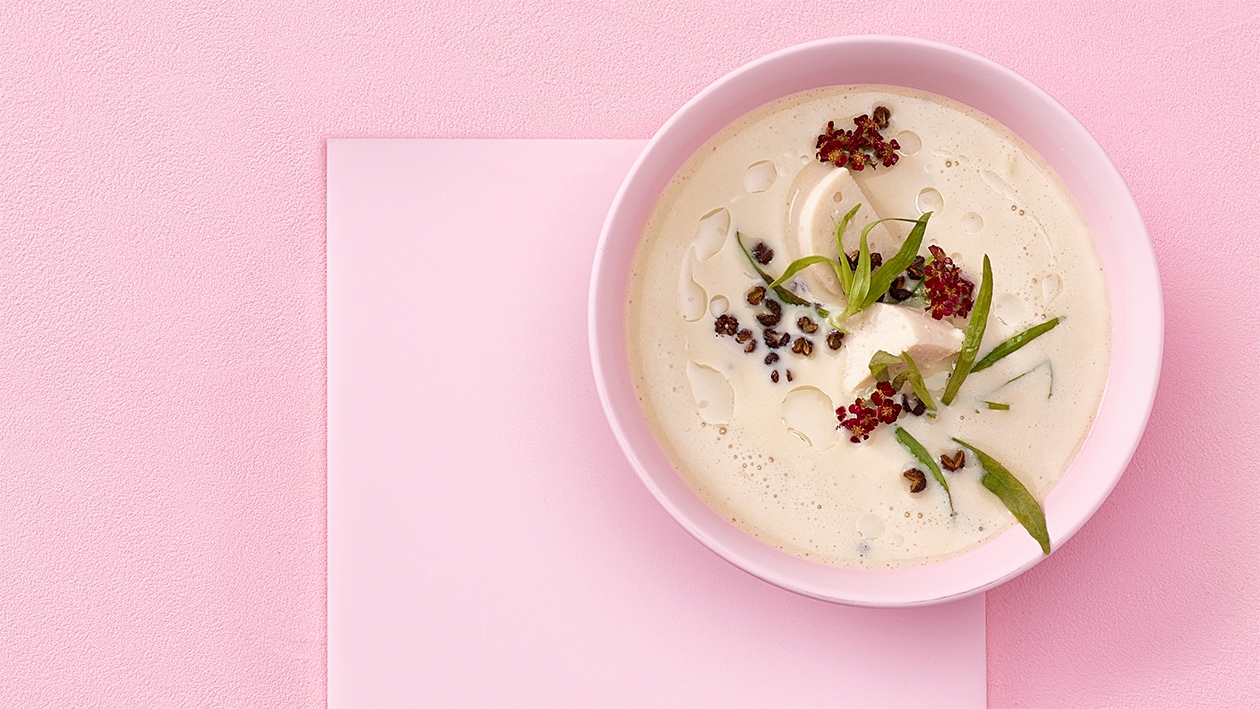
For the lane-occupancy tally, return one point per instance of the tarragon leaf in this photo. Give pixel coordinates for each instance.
(918, 451)
(880, 362)
(797, 266)
(999, 481)
(917, 383)
(975, 333)
(843, 272)
(997, 405)
(1049, 372)
(1014, 343)
(882, 279)
(861, 277)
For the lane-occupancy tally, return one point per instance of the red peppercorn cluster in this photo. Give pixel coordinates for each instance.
(945, 289)
(855, 149)
(882, 409)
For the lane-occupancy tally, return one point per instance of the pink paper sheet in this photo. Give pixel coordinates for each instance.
(487, 542)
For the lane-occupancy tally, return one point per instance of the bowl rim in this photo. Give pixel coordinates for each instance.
(1130, 269)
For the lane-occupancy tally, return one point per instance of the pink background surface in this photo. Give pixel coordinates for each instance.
(162, 313)
(488, 542)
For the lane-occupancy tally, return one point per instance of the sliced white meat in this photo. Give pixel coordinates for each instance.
(895, 329)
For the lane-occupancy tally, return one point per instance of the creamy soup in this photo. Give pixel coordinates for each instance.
(759, 441)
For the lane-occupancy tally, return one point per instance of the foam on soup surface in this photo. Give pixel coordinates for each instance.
(758, 439)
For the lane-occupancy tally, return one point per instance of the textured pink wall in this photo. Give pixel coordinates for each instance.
(162, 314)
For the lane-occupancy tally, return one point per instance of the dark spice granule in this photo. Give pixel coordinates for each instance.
(877, 260)
(762, 253)
(771, 318)
(788, 372)
(751, 346)
(772, 358)
(913, 405)
(743, 335)
(957, 461)
(835, 338)
(918, 481)
(803, 347)
(756, 294)
(806, 325)
(880, 115)
(915, 269)
(725, 325)
(897, 291)
(774, 376)
(775, 339)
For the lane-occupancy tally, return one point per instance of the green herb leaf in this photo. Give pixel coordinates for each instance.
(917, 383)
(1049, 377)
(882, 279)
(861, 276)
(997, 406)
(843, 272)
(797, 266)
(975, 333)
(784, 294)
(999, 481)
(918, 451)
(880, 362)
(1014, 343)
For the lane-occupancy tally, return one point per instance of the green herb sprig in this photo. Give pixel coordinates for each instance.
(861, 287)
(881, 365)
(1014, 343)
(915, 378)
(975, 333)
(1049, 371)
(882, 279)
(999, 481)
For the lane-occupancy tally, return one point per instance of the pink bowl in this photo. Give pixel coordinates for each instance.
(1128, 259)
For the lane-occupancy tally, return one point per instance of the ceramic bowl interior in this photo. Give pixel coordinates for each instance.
(1123, 245)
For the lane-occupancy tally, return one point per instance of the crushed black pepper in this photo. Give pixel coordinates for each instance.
(803, 347)
(806, 325)
(835, 338)
(772, 358)
(725, 325)
(756, 295)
